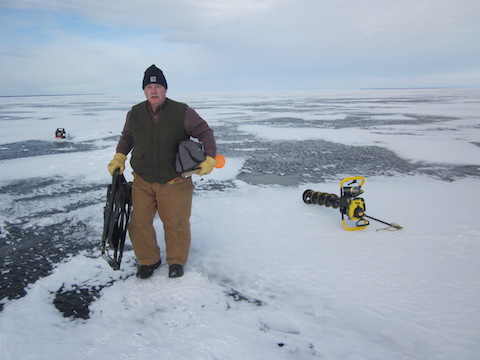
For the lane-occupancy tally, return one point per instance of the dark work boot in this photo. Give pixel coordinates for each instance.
(145, 271)
(175, 271)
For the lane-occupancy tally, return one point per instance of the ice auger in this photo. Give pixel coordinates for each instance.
(351, 205)
(116, 215)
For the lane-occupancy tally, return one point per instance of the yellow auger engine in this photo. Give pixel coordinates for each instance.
(350, 204)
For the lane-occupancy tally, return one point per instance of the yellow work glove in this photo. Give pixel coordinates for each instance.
(118, 162)
(206, 167)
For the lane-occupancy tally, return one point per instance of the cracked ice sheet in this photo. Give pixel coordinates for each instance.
(424, 148)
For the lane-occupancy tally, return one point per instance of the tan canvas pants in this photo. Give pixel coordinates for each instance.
(173, 202)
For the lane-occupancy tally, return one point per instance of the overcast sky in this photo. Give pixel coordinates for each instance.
(94, 46)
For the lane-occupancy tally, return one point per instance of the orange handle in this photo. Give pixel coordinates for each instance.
(220, 161)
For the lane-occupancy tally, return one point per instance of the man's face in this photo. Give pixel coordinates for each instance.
(155, 94)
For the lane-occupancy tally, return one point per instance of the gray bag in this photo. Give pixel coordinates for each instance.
(190, 154)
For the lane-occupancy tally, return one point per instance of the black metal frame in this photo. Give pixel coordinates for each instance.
(116, 215)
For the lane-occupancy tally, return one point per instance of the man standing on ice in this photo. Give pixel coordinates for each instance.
(153, 130)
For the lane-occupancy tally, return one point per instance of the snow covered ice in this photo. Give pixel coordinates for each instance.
(269, 277)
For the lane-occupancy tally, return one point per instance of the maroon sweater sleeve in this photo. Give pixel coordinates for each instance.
(125, 144)
(198, 128)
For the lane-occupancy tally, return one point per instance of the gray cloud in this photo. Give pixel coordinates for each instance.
(254, 44)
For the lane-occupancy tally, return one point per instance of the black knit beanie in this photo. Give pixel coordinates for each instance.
(154, 75)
